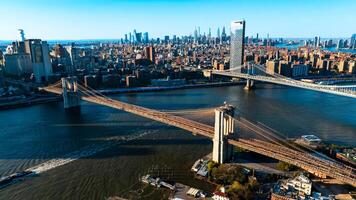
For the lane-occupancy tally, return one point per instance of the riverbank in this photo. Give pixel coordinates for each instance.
(164, 88)
(30, 101)
(40, 100)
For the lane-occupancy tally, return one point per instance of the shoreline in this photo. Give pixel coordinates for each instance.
(29, 102)
(164, 88)
(43, 100)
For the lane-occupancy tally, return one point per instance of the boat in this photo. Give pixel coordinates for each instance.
(12, 177)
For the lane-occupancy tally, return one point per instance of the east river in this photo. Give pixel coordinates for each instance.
(119, 147)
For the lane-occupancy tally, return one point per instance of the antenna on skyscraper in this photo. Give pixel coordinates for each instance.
(22, 34)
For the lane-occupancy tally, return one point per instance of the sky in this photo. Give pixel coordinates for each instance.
(111, 19)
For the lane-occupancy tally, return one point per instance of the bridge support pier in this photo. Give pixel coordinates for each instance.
(224, 129)
(71, 99)
(250, 84)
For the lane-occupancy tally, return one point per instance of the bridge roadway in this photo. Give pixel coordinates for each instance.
(303, 160)
(348, 91)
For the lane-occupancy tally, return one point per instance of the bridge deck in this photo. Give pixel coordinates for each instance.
(279, 152)
(347, 91)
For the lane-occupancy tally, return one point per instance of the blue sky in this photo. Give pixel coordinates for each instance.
(111, 19)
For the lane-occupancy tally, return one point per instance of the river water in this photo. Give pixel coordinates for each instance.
(121, 147)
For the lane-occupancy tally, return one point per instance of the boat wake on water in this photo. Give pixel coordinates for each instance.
(70, 157)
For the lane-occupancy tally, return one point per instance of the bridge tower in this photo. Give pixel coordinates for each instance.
(71, 97)
(250, 83)
(224, 129)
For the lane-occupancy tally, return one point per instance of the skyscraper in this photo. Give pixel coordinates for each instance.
(195, 35)
(150, 53)
(145, 37)
(209, 34)
(340, 44)
(353, 41)
(223, 35)
(237, 43)
(39, 53)
(134, 36)
(18, 62)
(126, 40)
(166, 39)
(22, 35)
(137, 37)
(316, 41)
(63, 57)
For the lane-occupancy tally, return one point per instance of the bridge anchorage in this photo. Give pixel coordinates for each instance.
(71, 98)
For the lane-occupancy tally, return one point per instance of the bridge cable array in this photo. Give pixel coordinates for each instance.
(346, 90)
(277, 148)
(330, 166)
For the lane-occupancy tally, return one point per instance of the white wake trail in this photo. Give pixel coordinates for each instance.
(85, 152)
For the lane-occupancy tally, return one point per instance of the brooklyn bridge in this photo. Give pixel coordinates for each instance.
(222, 134)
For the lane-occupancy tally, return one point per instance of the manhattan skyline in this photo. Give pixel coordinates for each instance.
(177, 99)
(111, 19)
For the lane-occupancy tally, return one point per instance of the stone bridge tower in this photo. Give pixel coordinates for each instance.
(224, 129)
(71, 99)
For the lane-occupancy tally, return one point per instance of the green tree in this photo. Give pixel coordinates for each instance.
(252, 184)
(239, 191)
(236, 186)
(285, 166)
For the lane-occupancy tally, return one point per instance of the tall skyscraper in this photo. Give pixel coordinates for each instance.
(316, 42)
(39, 53)
(166, 39)
(209, 34)
(150, 53)
(63, 57)
(22, 35)
(18, 62)
(223, 35)
(126, 40)
(134, 36)
(353, 41)
(195, 35)
(137, 37)
(237, 43)
(339, 44)
(73, 56)
(145, 37)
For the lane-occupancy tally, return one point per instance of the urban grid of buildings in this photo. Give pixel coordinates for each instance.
(137, 60)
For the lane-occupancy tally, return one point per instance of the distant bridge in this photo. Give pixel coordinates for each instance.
(72, 92)
(341, 90)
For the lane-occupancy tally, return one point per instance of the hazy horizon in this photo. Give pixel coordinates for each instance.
(110, 19)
